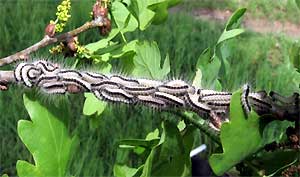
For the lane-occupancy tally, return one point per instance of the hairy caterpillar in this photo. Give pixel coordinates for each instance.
(117, 95)
(139, 90)
(151, 102)
(176, 87)
(168, 98)
(123, 80)
(54, 88)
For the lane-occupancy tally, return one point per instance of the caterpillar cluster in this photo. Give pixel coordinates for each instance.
(209, 104)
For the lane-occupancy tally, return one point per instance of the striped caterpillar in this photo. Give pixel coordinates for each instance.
(209, 104)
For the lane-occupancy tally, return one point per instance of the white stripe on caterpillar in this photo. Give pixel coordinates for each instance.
(117, 95)
(93, 77)
(123, 80)
(43, 78)
(176, 87)
(104, 84)
(25, 73)
(244, 98)
(171, 99)
(200, 108)
(152, 102)
(78, 82)
(69, 73)
(46, 67)
(98, 95)
(149, 83)
(205, 92)
(215, 98)
(54, 88)
(17, 71)
(139, 90)
(178, 91)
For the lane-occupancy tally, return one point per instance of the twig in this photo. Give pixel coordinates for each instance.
(22, 55)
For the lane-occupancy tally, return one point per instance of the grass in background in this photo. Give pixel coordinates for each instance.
(257, 59)
(283, 10)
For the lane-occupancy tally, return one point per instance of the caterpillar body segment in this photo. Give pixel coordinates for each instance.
(78, 82)
(46, 79)
(170, 99)
(26, 77)
(54, 88)
(151, 102)
(105, 84)
(244, 98)
(202, 109)
(18, 73)
(46, 67)
(93, 77)
(117, 95)
(139, 90)
(123, 80)
(149, 83)
(69, 73)
(205, 92)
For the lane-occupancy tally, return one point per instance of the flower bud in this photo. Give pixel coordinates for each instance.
(50, 30)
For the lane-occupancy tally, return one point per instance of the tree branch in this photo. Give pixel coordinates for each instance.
(22, 55)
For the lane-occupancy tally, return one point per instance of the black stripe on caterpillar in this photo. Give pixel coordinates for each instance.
(244, 98)
(139, 90)
(117, 95)
(171, 99)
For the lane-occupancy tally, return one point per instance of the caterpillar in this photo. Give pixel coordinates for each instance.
(168, 98)
(117, 95)
(46, 67)
(25, 76)
(139, 90)
(176, 87)
(123, 80)
(54, 88)
(104, 83)
(205, 92)
(78, 82)
(200, 108)
(244, 98)
(151, 102)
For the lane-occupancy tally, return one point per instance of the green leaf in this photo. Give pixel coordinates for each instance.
(93, 47)
(230, 34)
(170, 153)
(240, 137)
(93, 105)
(209, 68)
(125, 21)
(147, 61)
(142, 11)
(47, 139)
(124, 171)
(198, 78)
(275, 131)
(235, 19)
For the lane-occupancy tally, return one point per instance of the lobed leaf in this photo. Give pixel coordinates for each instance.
(47, 139)
(240, 137)
(147, 61)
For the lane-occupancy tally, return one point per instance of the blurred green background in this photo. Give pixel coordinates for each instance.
(260, 59)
